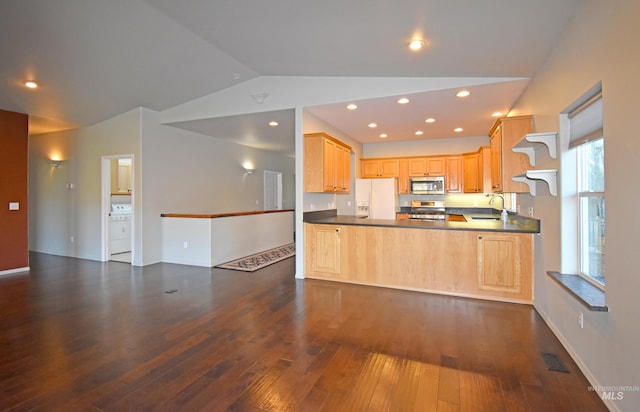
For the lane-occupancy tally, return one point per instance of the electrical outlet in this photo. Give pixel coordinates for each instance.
(71, 239)
(530, 211)
(581, 320)
(185, 244)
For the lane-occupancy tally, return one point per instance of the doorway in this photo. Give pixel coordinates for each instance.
(272, 190)
(117, 208)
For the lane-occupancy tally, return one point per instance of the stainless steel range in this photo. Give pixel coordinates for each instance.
(427, 210)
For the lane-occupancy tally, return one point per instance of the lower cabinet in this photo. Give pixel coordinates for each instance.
(500, 262)
(485, 265)
(322, 250)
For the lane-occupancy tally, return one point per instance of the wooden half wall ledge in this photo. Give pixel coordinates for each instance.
(217, 215)
(589, 295)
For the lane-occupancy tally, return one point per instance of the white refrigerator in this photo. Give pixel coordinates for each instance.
(377, 198)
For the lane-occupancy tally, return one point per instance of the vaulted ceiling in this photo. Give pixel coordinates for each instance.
(95, 59)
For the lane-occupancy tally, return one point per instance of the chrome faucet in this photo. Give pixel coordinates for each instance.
(504, 215)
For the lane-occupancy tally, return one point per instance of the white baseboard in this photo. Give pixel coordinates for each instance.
(583, 368)
(17, 270)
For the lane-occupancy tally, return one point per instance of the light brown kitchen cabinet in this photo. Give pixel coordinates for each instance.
(327, 164)
(403, 176)
(374, 168)
(343, 168)
(501, 262)
(427, 166)
(120, 176)
(322, 251)
(477, 171)
(485, 265)
(453, 174)
(504, 162)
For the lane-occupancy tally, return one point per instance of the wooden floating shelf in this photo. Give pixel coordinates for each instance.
(529, 142)
(550, 176)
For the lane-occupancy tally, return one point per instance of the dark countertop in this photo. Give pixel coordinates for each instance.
(515, 223)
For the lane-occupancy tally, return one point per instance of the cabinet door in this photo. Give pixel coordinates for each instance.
(484, 169)
(453, 175)
(513, 164)
(329, 166)
(370, 168)
(436, 166)
(496, 160)
(389, 168)
(499, 263)
(418, 167)
(343, 169)
(403, 177)
(471, 178)
(322, 252)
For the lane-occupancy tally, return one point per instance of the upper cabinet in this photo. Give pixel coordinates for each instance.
(453, 174)
(373, 168)
(505, 133)
(477, 171)
(327, 164)
(403, 177)
(427, 166)
(121, 176)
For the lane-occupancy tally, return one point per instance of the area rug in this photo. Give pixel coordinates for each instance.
(261, 259)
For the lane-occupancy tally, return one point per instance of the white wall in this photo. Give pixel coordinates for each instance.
(600, 45)
(57, 214)
(186, 172)
(174, 171)
(50, 224)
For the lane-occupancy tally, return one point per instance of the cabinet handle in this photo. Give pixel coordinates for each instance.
(479, 237)
(338, 230)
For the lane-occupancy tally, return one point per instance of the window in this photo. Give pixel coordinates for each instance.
(586, 138)
(592, 210)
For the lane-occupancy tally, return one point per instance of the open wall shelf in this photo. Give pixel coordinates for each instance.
(550, 176)
(529, 142)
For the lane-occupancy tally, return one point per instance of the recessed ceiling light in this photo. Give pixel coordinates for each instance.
(463, 93)
(383, 135)
(496, 114)
(430, 120)
(352, 106)
(403, 100)
(273, 123)
(419, 132)
(31, 84)
(372, 125)
(458, 129)
(417, 44)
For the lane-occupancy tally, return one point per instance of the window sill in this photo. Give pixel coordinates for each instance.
(586, 293)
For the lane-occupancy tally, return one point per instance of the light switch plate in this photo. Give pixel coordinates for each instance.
(14, 205)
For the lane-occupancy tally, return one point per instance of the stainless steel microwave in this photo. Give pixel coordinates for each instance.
(427, 185)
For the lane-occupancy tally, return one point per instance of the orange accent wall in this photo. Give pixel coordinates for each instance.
(14, 224)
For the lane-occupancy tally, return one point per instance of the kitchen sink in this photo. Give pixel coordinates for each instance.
(485, 217)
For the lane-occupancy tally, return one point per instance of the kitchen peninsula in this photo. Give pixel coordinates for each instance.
(477, 255)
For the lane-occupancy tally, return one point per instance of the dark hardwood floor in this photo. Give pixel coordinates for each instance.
(78, 335)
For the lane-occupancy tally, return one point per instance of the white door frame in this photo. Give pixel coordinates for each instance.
(106, 205)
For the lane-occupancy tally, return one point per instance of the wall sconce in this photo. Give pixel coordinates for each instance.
(249, 171)
(55, 163)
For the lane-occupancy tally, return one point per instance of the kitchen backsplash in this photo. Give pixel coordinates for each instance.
(464, 200)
